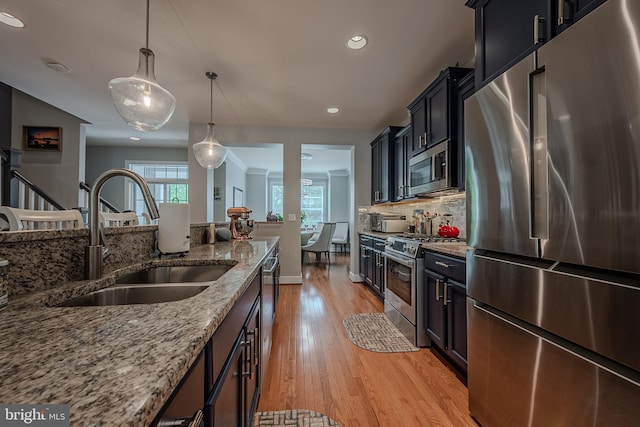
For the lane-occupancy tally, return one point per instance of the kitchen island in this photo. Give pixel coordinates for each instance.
(117, 365)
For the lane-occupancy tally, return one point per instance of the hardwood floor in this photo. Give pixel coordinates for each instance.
(313, 364)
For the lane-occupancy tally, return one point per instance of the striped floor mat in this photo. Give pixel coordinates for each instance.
(375, 332)
(294, 417)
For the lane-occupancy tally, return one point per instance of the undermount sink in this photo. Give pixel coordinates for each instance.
(175, 274)
(136, 294)
(153, 285)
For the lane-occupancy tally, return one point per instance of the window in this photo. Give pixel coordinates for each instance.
(312, 202)
(168, 183)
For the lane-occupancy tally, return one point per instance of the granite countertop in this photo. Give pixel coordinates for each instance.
(458, 249)
(117, 365)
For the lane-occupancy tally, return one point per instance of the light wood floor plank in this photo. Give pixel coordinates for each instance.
(314, 366)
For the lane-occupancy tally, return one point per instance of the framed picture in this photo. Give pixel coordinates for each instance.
(42, 138)
(237, 197)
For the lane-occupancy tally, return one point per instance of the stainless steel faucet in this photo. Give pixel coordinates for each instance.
(95, 252)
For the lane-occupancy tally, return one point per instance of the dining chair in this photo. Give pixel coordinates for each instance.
(28, 219)
(323, 243)
(118, 219)
(316, 234)
(341, 236)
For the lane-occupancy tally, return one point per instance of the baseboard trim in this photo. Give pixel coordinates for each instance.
(355, 277)
(291, 280)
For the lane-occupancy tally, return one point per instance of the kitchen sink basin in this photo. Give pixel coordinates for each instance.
(153, 285)
(175, 274)
(136, 294)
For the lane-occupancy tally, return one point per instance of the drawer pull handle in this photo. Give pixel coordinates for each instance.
(442, 264)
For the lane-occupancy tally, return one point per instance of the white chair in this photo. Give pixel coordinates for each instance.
(118, 219)
(149, 221)
(316, 234)
(323, 243)
(341, 236)
(27, 219)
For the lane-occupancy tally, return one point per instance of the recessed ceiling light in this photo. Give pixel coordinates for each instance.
(134, 138)
(10, 20)
(357, 42)
(332, 110)
(58, 67)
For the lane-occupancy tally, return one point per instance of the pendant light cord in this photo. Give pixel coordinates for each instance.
(211, 76)
(147, 39)
(211, 106)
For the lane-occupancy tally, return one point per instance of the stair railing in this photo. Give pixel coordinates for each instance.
(104, 205)
(30, 196)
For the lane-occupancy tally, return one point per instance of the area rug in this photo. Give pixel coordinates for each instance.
(294, 417)
(375, 332)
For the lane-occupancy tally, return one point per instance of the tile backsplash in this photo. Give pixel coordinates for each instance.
(454, 205)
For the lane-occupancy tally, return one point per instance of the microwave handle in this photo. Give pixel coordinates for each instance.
(439, 171)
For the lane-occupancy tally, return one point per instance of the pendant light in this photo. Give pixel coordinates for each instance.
(139, 99)
(209, 152)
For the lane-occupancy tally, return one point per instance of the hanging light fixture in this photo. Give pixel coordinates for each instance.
(209, 152)
(139, 99)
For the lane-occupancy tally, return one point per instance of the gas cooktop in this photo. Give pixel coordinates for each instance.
(428, 239)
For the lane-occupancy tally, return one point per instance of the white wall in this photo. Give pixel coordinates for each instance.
(219, 205)
(257, 194)
(292, 138)
(236, 178)
(57, 173)
(101, 158)
(339, 196)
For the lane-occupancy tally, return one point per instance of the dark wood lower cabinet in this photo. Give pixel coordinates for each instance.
(234, 362)
(235, 397)
(372, 263)
(445, 307)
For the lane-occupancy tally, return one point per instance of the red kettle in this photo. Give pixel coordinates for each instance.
(448, 230)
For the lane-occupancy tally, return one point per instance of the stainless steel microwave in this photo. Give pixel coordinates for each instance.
(429, 171)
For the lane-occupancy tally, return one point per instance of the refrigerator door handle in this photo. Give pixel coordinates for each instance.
(539, 225)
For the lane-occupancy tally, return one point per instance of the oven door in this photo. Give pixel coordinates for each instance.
(401, 287)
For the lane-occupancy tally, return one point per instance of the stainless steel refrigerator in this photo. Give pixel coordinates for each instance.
(553, 207)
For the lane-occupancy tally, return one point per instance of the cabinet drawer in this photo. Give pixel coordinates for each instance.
(447, 266)
(221, 344)
(378, 244)
(366, 241)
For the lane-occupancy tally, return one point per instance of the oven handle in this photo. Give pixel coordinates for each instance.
(408, 262)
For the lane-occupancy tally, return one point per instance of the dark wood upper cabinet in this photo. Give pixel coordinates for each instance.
(433, 111)
(570, 11)
(402, 146)
(382, 166)
(505, 33)
(508, 30)
(464, 89)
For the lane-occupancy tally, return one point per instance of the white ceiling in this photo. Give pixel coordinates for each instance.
(281, 63)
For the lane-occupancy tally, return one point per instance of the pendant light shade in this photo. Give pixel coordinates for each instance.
(209, 152)
(139, 99)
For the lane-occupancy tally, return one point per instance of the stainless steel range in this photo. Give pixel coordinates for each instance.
(404, 292)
